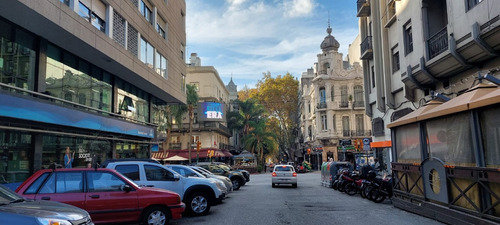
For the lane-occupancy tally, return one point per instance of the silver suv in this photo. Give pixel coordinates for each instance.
(199, 194)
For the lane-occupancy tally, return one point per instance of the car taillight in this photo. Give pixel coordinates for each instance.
(274, 174)
(294, 174)
(178, 200)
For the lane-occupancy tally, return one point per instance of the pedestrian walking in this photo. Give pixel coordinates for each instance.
(68, 158)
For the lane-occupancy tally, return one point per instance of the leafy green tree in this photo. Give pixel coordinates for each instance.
(248, 110)
(280, 97)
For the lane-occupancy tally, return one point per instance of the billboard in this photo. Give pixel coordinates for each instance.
(211, 111)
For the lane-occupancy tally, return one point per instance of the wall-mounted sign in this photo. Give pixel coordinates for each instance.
(211, 111)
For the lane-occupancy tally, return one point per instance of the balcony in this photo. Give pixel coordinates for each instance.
(321, 105)
(358, 104)
(367, 48)
(363, 8)
(344, 104)
(438, 43)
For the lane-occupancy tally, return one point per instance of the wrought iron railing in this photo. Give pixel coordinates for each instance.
(366, 46)
(438, 43)
(321, 105)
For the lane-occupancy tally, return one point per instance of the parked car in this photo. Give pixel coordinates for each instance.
(187, 171)
(14, 209)
(284, 174)
(108, 196)
(245, 173)
(206, 173)
(199, 194)
(236, 177)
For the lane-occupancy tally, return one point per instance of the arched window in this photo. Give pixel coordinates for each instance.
(82, 99)
(309, 131)
(322, 97)
(358, 96)
(68, 96)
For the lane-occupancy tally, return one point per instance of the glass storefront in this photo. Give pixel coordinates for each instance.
(75, 80)
(16, 154)
(490, 126)
(86, 150)
(17, 57)
(408, 149)
(128, 150)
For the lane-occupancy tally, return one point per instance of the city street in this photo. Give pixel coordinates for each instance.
(310, 203)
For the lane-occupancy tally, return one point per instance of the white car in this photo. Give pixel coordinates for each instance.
(284, 174)
(187, 171)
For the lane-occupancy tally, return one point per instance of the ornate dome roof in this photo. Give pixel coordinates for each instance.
(330, 43)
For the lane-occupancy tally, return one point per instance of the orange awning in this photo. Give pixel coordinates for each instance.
(381, 144)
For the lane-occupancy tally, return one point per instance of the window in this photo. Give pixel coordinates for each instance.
(395, 59)
(358, 96)
(146, 11)
(50, 185)
(69, 182)
(345, 126)
(130, 171)
(490, 127)
(147, 53)
(309, 131)
(373, 76)
(156, 173)
(104, 182)
(343, 97)
(360, 125)
(161, 65)
(66, 2)
(332, 93)
(408, 38)
(309, 107)
(184, 172)
(471, 3)
(324, 122)
(161, 26)
(183, 50)
(34, 187)
(95, 14)
(334, 120)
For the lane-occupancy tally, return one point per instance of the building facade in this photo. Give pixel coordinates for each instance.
(415, 51)
(234, 140)
(209, 124)
(332, 107)
(88, 75)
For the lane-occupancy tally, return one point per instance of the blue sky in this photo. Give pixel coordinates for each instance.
(245, 38)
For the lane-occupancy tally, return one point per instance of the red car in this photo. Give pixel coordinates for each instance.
(108, 196)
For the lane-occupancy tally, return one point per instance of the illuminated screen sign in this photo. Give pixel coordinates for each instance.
(212, 111)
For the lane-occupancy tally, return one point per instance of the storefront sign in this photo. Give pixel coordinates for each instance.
(211, 111)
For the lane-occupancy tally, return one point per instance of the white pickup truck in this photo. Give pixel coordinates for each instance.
(199, 194)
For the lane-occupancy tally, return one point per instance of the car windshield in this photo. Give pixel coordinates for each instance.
(204, 170)
(7, 196)
(224, 167)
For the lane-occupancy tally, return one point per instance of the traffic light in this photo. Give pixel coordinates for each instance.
(198, 145)
(308, 151)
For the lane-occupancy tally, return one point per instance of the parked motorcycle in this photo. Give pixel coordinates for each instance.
(380, 189)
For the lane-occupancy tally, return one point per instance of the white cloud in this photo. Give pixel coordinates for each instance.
(298, 8)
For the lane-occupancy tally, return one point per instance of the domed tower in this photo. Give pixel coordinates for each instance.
(329, 43)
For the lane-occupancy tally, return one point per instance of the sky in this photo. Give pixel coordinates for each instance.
(243, 39)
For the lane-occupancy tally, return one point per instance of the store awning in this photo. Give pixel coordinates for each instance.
(460, 103)
(412, 117)
(176, 158)
(381, 144)
(487, 99)
(159, 155)
(184, 153)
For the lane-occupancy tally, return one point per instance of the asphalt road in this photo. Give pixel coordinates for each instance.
(309, 203)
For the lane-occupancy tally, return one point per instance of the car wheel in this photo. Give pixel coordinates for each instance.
(274, 185)
(236, 183)
(197, 204)
(155, 216)
(294, 185)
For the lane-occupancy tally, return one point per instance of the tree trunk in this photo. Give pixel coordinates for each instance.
(190, 109)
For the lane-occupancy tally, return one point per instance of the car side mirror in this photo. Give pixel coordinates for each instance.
(177, 177)
(126, 188)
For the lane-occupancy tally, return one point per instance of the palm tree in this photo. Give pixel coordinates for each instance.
(192, 102)
(258, 139)
(248, 110)
(168, 114)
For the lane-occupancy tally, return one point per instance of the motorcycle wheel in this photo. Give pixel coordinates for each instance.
(341, 186)
(335, 184)
(377, 196)
(351, 189)
(367, 191)
(362, 191)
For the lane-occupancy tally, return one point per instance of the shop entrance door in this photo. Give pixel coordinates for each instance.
(435, 183)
